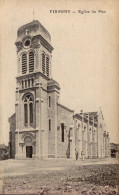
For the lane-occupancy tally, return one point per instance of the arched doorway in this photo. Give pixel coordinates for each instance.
(29, 147)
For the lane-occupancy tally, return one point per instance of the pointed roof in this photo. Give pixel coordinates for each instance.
(3, 146)
(33, 28)
(92, 114)
(52, 82)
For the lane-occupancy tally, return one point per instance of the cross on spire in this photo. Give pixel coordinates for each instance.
(33, 13)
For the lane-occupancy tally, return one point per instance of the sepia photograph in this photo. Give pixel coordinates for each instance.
(59, 97)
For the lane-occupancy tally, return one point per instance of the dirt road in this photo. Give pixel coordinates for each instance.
(58, 176)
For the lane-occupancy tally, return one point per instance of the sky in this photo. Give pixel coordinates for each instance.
(84, 60)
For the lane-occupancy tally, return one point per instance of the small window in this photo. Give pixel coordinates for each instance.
(25, 83)
(49, 101)
(28, 82)
(49, 124)
(62, 132)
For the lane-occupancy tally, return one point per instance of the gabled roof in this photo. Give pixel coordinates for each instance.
(100, 112)
(34, 28)
(91, 114)
(65, 107)
(12, 117)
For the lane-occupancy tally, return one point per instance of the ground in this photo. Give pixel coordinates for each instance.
(59, 176)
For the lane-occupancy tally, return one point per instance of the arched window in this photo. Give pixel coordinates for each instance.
(49, 101)
(47, 66)
(43, 63)
(25, 114)
(49, 124)
(24, 63)
(28, 109)
(28, 139)
(62, 132)
(31, 61)
(31, 112)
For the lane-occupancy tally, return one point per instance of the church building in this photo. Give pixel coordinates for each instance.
(42, 127)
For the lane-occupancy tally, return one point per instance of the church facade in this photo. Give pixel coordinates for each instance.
(44, 128)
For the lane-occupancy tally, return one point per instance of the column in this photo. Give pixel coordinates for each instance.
(91, 149)
(17, 124)
(88, 137)
(23, 84)
(38, 120)
(86, 140)
(93, 146)
(104, 144)
(82, 133)
(86, 154)
(73, 153)
(55, 125)
(91, 142)
(80, 141)
(40, 123)
(37, 127)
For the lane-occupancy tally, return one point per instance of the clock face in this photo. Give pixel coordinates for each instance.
(27, 43)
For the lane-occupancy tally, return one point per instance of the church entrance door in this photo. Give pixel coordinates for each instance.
(29, 151)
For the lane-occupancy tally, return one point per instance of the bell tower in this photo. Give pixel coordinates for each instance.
(34, 49)
(34, 53)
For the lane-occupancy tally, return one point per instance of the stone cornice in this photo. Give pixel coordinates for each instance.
(26, 130)
(33, 74)
(77, 116)
(46, 44)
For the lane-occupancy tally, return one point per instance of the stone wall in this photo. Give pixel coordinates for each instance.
(65, 116)
(52, 116)
(12, 121)
(85, 137)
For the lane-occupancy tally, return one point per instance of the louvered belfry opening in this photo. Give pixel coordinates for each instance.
(47, 66)
(43, 63)
(24, 63)
(31, 61)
